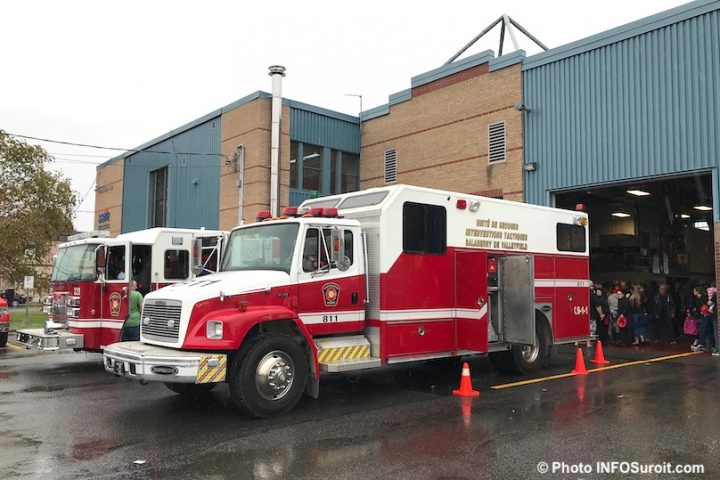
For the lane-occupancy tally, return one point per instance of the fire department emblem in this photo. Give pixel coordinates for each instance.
(331, 292)
(115, 304)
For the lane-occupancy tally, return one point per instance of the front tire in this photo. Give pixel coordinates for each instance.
(191, 389)
(268, 376)
(3, 339)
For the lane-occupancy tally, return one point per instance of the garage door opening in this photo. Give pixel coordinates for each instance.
(650, 232)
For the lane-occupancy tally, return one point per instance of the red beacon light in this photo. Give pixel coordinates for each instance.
(461, 204)
(290, 212)
(580, 207)
(314, 212)
(329, 212)
(262, 215)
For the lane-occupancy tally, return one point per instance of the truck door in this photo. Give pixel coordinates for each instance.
(471, 295)
(331, 288)
(113, 297)
(517, 299)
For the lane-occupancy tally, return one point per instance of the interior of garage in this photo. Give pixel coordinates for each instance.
(650, 232)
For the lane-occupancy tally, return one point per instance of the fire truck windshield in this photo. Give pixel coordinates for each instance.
(261, 247)
(75, 263)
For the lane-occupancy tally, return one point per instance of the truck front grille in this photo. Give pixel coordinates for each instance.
(161, 320)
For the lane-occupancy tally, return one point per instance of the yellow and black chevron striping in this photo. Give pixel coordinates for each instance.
(354, 352)
(208, 374)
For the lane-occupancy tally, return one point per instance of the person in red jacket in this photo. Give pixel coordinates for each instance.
(4, 322)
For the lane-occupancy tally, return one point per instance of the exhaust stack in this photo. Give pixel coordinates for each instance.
(276, 72)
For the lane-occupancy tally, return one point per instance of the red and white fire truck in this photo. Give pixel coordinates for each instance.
(91, 276)
(365, 279)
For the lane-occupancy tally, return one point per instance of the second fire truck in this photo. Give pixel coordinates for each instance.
(362, 280)
(92, 274)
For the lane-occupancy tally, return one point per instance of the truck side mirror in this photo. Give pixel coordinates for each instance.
(197, 257)
(337, 247)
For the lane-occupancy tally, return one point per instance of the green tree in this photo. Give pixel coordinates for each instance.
(36, 208)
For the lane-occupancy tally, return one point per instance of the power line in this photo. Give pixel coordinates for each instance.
(133, 150)
(84, 196)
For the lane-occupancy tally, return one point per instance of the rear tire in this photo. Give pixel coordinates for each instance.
(524, 360)
(14, 303)
(191, 389)
(268, 375)
(3, 339)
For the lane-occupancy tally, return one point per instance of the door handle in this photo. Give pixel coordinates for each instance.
(354, 298)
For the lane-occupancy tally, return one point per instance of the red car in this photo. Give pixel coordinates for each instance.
(4, 322)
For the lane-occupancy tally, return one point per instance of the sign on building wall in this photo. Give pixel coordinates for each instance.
(104, 218)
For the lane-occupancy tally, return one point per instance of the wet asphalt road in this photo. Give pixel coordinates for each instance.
(62, 416)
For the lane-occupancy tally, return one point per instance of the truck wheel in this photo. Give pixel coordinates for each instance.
(14, 303)
(524, 359)
(191, 389)
(3, 338)
(268, 376)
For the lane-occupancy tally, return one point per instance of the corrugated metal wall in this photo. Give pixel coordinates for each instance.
(648, 105)
(318, 129)
(193, 180)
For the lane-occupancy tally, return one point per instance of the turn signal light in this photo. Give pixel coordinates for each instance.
(214, 330)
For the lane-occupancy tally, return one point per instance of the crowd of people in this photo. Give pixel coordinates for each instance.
(636, 314)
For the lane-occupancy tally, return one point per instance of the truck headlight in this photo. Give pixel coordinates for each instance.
(214, 330)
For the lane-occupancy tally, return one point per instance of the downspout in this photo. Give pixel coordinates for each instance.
(276, 72)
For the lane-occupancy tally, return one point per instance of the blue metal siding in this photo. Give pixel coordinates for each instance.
(645, 106)
(193, 180)
(318, 129)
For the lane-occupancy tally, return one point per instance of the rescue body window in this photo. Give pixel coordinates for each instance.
(177, 264)
(424, 228)
(570, 238)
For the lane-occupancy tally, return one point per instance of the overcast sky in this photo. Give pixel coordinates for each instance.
(121, 73)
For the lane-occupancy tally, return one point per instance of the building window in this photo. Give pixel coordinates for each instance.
(390, 166)
(349, 172)
(158, 197)
(311, 167)
(177, 264)
(496, 142)
(424, 228)
(570, 238)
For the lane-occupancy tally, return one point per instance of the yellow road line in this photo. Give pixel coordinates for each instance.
(12, 346)
(599, 369)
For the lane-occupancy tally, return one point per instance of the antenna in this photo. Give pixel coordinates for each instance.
(507, 24)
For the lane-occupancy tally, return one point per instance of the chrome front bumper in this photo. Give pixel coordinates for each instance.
(150, 363)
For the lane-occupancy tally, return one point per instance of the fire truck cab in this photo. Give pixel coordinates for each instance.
(91, 279)
(365, 279)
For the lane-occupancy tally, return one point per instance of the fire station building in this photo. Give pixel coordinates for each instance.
(625, 122)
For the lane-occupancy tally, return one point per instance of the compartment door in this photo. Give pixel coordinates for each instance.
(471, 295)
(517, 294)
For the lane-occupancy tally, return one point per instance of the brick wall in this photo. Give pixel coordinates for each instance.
(109, 194)
(250, 125)
(441, 135)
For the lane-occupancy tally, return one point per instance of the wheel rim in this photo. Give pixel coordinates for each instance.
(530, 353)
(274, 375)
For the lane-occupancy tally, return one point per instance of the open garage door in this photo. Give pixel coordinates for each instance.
(650, 232)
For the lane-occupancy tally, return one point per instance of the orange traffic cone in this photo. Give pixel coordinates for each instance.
(466, 389)
(580, 364)
(599, 355)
